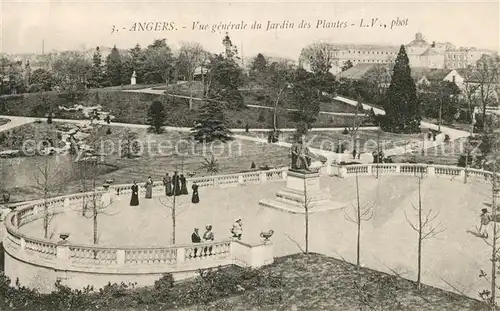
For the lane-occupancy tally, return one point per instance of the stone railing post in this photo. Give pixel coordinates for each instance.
(262, 177)
(431, 171)
(241, 181)
(369, 170)
(120, 257)
(328, 169)
(181, 255)
(23, 244)
(66, 203)
(284, 174)
(462, 174)
(62, 253)
(398, 168)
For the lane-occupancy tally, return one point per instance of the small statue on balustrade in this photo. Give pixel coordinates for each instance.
(167, 182)
(149, 188)
(134, 200)
(208, 236)
(195, 198)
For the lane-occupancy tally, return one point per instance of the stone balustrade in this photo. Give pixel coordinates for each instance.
(31, 259)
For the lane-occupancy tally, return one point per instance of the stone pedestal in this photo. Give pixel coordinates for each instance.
(302, 190)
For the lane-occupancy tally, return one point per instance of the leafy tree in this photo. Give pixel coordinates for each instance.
(190, 57)
(259, 64)
(158, 63)
(230, 50)
(156, 116)
(211, 125)
(347, 64)
(401, 104)
(43, 79)
(96, 72)
(319, 56)
(305, 99)
(133, 61)
(278, 78)
(114, 67)
(440, 101)
(129, 144)
(226, 78)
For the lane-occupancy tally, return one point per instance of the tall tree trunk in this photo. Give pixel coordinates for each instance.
(419, 263)
(358, 241)
(173, 220)
(494, 256)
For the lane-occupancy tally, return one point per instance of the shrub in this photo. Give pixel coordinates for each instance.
(345, 131)
(108, 131)
(165, 283)
(446, 137)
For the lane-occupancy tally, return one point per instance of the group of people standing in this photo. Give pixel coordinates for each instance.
(175, 185)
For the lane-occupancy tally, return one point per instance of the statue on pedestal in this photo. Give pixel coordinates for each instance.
(132, 79)
(301, 156)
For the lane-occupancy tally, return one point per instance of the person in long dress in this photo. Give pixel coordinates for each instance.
(134, 200)
(149, 188)
(167, 182)
(195, 198)
(176, 184)
(183, 181)
(195, 238)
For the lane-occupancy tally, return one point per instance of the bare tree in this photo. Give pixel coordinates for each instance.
(425, 228)
(307, 206)
(486, 76)
(490, 296)
(190, 57)
(172, 204)
(359, 117)
(361, 213)
(50, 179)
(98, 206)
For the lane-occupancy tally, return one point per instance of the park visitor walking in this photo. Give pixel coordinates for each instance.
(176, 187)
(195, 238)
(134, 200)
(167, 182)
(485, 221)
(149, 188)
(195, 198)
(183, 181)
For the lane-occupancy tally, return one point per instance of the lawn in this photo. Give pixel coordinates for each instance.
(447, 153)
(158, 157)
(366, 141)
(4, 121)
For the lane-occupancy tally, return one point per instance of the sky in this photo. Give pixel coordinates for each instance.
(73, 25)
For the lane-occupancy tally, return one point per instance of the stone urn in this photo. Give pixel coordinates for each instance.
(266, 235)
(64, 236)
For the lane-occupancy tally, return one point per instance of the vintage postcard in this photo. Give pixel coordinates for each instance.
(249, 155)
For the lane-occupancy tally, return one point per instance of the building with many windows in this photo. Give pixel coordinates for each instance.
(421, 53)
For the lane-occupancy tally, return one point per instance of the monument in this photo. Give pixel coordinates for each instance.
(302, 188)
(132, 79)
